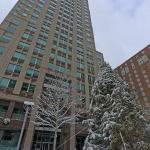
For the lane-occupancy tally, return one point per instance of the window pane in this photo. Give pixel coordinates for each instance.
(36, 74)
(15, 21)
(19, 55)
(27, 36)
(31, 88)
(11, 30)
(4, 82)
(24, 45)
(38, 50)
(18, 69)
(12, 84)
(38, 62)
(33, 60)
(41, 42)
(2, 49)
(5, 38)
(51, 66)
(10, 67)
(29, 72)
(24, 87)
(16, 55)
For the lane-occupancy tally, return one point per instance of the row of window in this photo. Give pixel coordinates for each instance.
(13, 68)
(6, 83)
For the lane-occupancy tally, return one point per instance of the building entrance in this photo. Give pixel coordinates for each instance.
(43, 140)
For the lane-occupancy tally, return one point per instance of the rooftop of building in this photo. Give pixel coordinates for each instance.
(133, 56)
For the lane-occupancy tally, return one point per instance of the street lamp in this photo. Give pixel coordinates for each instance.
(28, 106)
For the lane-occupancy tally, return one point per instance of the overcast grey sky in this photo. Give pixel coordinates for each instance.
(121, 27)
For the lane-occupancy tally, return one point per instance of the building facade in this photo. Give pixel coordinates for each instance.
(100, 59)
(136, 72)
(44, 40)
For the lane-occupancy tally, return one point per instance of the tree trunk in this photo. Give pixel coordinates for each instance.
(55, 140)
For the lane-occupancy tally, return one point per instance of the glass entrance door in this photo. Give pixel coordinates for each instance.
(43, 140)
(45, 146)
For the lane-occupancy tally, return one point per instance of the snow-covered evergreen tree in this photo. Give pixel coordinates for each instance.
(116, 122)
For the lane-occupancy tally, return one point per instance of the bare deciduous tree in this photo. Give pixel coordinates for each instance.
(54, 110)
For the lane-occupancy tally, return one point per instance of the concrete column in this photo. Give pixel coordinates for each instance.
(72, 137)
(29, 134)
(10, 109)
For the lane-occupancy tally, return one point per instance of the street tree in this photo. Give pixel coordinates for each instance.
(116, 120)
(53, 111)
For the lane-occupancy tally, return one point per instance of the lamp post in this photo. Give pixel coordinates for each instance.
(28, 105)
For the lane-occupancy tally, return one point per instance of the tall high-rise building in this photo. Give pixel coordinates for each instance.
(42, 41)
(136, 72)
(100, 59)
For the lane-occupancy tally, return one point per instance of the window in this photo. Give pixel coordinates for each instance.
(90, 90)
(43, 34)
(24, 14)
(11, 30)
(80, 76)
(90, 61)
(60, 58)
(41, 42)
(7, 83)
(27, 87)
(81, 88)
(80, 65)
(60, 69)
(5, 38)
(35, 61)
(3, 108)
(80, 57)
(143, 59)
(18, 114)
(27, 36)
(45, 27)
(32, 73)
(23, 45)
(2, 49)
(132, 65)
(33, 20)
(31, 29)
(12, 68)
(69, 61)
(38, 51)
(51, 66)
(18, 56)
(7, 137)
(91, 79)
(126, 70)
(91, 69)
(15, 22)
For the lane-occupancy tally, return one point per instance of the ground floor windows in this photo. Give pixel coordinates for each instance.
(8, 139)
(80, 142)
(43, 140)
